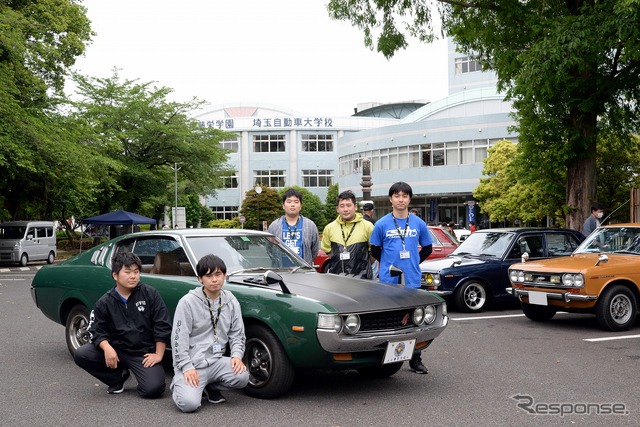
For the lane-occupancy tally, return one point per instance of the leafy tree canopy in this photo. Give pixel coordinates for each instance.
(39, 40)
(147, 135)
(571, 69)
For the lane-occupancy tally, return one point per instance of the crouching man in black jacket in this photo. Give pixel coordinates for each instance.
(129, 329)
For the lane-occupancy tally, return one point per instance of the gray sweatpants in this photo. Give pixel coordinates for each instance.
(220, 375)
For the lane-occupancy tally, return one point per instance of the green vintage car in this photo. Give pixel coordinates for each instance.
(294, 317)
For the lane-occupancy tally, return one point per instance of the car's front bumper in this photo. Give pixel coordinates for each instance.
(333, 342)
(437, 292)
(558, 296)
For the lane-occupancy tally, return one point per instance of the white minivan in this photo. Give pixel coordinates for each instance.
(24, 241)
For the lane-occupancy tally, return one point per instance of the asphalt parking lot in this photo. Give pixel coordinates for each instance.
(493, 369)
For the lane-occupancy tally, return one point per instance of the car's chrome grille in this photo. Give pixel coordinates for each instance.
(386, 320)
(541, 279)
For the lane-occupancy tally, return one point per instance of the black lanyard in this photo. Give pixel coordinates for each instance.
(401, 234)
(292, 234)
(345, 240)
(213, 322)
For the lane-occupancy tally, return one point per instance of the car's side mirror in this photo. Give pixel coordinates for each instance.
(455, 260)
(397, 272)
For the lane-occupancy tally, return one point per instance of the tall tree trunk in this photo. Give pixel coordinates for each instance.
(581, 185)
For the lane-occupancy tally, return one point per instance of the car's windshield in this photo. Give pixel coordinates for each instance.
(493, 244)
(612, 239)
(246, 252)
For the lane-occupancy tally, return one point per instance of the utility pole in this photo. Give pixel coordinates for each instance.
(175, 212)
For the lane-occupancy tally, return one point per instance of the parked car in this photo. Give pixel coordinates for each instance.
(475, 274)
(294, 317)
(24, 241)
(443, 245)
(601, 277)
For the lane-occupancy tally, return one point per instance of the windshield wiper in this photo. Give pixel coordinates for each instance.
(625, 251)
(296, 268)
(247, 270)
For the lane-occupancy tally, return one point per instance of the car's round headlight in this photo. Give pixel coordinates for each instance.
(329, 321)
(352, 324)
(578, 281)
(431, 279)
(567, 279)
(513, 275)
(418, 316)
(429, 314)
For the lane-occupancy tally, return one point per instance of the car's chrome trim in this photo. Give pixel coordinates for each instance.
(442, 293)
(33, 296)
(560, 296)
(374, 341)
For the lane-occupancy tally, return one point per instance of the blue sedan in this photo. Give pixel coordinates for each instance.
(476, 273)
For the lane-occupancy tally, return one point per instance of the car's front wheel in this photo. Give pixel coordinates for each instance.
(471, 296)
(76, 329)
(380, 371)
(51, 258)
(24, 259)
(617, 308)
(538, 313)
(270, 371)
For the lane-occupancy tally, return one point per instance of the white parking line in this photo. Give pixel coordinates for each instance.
(617, 337)
(487, 317)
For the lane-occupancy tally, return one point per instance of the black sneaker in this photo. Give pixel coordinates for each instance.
(214, 395)
(416, 365)
(119, 388)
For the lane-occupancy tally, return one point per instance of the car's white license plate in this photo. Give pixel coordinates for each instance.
(399, 351)
(537, 298)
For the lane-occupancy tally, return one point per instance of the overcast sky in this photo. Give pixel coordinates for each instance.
(283, 52)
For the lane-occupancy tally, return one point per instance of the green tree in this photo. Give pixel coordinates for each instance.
(257, 208)
(506, 193)
(618, 166)
(330, 203)
(39, 41)
(571, 69)
(147, 135)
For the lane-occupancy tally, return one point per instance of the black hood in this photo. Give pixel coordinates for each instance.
(347, 294)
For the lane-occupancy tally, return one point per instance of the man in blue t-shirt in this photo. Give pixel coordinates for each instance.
(402, 240)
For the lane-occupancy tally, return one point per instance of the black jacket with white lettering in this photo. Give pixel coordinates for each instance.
(134, 327)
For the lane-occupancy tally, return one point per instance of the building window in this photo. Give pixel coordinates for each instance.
(231, 144)
(433, 155)
(466, 65)
(224, 212)
(271, 178)
(270, 143)
(317, 177)
(319, 142)
(230, 181)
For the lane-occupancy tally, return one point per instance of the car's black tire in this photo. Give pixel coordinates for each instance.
(76, 327)
(538, 313)
(617, 308)
(24, 259)
(51, 258)
(471, 296)
(270, 371)
(380, 371)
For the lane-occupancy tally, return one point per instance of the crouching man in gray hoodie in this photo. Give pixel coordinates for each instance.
(205, 321)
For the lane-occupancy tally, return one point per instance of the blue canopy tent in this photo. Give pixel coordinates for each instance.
(118, 217)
